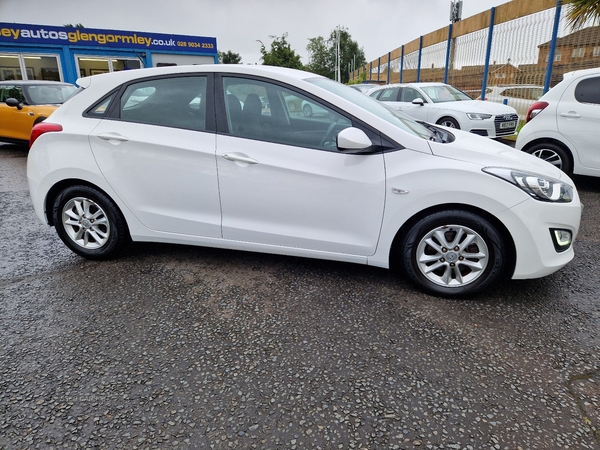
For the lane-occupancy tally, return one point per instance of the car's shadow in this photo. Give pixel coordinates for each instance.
(585, 183)
(13, 149)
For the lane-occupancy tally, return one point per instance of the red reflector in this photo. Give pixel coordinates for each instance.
(41, 128)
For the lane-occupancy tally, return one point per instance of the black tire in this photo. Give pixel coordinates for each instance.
(554, 154)
(448, 122)
(90, 223)
(307, 110)
(477, 258)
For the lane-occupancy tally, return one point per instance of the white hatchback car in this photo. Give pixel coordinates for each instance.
(518, 96)
(563, 127)
(445, 105)
(187, 163)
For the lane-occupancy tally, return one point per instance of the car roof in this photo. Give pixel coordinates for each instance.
(576, 73)
(258, 70)
(417, 84)
(504, 86)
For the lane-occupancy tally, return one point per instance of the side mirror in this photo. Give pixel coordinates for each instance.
(352, 140)
(14, 103)
(418, 101)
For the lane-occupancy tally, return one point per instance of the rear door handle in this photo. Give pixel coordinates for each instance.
(570, 115)
(239, 158)
(112, 137)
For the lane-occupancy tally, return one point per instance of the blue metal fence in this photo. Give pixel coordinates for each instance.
(519, 43)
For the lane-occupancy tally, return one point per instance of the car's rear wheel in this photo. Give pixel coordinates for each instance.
(554, 154)
(89, 222)
(453, 253)
(448, 122)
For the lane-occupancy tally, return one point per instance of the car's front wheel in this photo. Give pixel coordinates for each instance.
(554, 154)
(453, 253)
(448, 122)
(89, 222)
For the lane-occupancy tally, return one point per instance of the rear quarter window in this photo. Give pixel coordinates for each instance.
(588, 91)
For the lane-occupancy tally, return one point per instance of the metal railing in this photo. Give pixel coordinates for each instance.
(523, 45)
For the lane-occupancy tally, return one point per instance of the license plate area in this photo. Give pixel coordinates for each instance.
(511, 124)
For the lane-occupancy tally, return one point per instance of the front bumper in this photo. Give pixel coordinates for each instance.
(530, 223)
(498, 126)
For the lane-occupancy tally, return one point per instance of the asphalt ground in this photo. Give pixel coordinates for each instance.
(186, 347)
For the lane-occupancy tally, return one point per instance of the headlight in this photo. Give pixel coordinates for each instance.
(478, 116)
(538, 186)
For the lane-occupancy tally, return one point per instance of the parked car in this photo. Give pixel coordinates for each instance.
(25, 103)
(369, 185)
(364, 87)
(519, 96)
(445, 105)
(309, 109)
(563, 127)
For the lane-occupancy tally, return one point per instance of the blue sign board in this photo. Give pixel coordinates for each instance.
(37, 34)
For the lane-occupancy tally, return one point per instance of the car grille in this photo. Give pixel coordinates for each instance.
(502, 119)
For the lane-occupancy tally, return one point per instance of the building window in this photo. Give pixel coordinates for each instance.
(578, 52)
(596, 51)
(25, 66)
(94, 65)
(11, 67)
(557, 56)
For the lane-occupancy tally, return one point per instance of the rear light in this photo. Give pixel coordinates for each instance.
(535, 109)
(41, 128)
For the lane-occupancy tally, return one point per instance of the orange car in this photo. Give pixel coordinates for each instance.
(25, 103)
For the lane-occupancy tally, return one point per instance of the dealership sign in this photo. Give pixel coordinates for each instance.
(36, 34)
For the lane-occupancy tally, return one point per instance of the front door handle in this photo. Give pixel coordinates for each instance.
(239, 158)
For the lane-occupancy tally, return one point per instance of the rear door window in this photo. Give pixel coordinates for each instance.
(390, 95)
(178, 102)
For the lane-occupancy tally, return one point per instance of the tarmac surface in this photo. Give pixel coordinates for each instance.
(187, 347)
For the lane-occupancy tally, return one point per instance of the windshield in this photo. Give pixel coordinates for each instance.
(444, 93)
(375, 107)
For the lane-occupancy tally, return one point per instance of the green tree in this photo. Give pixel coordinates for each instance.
(321, 59)
(229, 57)
(322, 55)
(281, 53)
(581, 11)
